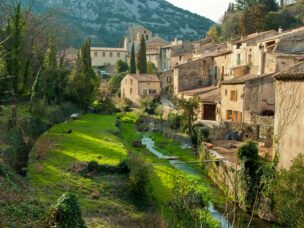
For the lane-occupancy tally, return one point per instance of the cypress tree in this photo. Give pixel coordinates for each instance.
(132, 61)
(141, 57)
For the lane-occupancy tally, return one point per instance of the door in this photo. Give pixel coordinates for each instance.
(209, 112)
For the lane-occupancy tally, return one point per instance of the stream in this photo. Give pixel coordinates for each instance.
(218, 215)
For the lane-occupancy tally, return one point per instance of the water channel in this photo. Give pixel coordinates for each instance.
(243, 219)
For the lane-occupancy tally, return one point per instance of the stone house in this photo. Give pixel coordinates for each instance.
(245, 96)
(289, 114)
(282, 51)
(193, 75)
(246, 55)
(102, 55)
(153, 50)
(177, 52)
(209, 98)
(166, 80)
(138, 86)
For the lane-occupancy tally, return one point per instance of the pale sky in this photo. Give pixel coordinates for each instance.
(212, 9)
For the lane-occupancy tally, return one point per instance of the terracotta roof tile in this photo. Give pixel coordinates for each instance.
(145, 77)
(295, 72)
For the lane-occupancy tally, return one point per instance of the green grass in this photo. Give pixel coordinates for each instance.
(94, 137)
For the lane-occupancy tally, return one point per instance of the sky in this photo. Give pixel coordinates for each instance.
(212, 9)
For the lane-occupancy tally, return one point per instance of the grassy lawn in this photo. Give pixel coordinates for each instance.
(93, 137)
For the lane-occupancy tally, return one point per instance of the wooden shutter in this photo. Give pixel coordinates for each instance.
(236, 95)
(227, 115)
(240, 117)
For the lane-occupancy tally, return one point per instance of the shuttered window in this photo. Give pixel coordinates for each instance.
(233, 95)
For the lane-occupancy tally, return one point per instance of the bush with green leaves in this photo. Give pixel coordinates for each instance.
(174, 120)
(138, 176)
(66, 213)
(251, 172)
(149, 105)
(189, 206)
(288, 193)
(126, 104)
(104, 106)
(114, 83)
(121, 66)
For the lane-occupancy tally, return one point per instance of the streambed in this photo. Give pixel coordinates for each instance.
(242, 218)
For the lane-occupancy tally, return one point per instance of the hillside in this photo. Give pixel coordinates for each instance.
(105, 21)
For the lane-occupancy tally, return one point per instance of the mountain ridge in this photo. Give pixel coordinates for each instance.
(106, 21)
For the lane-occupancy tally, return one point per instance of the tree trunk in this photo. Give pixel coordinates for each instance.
(13, 121)
(189, 125)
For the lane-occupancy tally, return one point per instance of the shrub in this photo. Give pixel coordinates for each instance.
(105, 107)
(289, 193)
(189, 204)
(149, 105)
(204, 131)
(251, 171)
(138, 176)
(174, 120)
(66, 213)
(126, 104)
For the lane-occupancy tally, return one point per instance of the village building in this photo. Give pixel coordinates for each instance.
(209, 98)
(138, 86)
(282, 51)
(289, 114)
(102, 55)
(167, 80)
(178, 52)
(244, 98)
(192, 75)
(153, 50)
(67, 56)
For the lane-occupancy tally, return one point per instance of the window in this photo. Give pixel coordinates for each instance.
(130, 90)
(145, 92)
(118, 54)
(233, 95)
(234, 116)
(95, 53)
(249, 59)
(223, 70)
(147, 37)
(215, 72)
(131, 81)
(238, 61)
(111, 54)
(204, 72)
(126, 81)
(180, 58)
(169, 79)
(226, 92)
(200, 83)
(204, 63)
(104, 54)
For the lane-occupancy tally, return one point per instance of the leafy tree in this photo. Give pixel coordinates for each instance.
(114, 83)
(190, 203)
(121, 66)
(50, 61)
(246, 25)
(215, 33)
(17, 70)
(132, 61)
(141, 57)
(66, 213)
(189, 107)
(83, 83)
(151, 68)
(251, 165)
(289, 193)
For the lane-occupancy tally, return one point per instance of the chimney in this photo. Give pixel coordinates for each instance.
(243, 37)
(280, 30)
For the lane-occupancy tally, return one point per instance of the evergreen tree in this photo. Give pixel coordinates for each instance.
(16, 69)
(83, 83)
(50, 62)
(141, 57)
(246, 24)
(121, 42)
(132, 61)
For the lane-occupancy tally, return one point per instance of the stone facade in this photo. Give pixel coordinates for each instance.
(100, 55)
(289, 114)
(193, 75)
(166, 79)
(135, 87)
